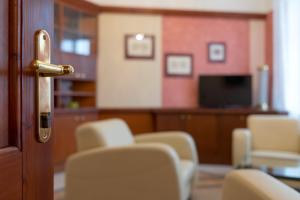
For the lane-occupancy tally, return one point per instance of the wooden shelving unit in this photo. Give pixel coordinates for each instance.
(75, 43)
(74, 94)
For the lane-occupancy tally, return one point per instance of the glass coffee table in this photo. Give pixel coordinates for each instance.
(290, 176)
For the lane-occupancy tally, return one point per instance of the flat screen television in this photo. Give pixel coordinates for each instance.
(225, 91)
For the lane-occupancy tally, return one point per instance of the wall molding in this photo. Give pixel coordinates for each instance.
(135, 10)
(94, 8)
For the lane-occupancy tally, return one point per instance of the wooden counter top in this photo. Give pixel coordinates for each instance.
(171, 110)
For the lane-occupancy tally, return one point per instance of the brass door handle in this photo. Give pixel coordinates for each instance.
(50, 70)
(44, 70)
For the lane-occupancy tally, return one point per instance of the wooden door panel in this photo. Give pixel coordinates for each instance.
(204, 130)
(138, 122)
(170, 122)
(25, 164)
(4, 73)
(37, 157)
(227, 124)
(88, 117)
(10, 154)
(10, 173)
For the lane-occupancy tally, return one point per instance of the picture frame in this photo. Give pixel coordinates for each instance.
(179, 64)
(139, 46)
(216, 52)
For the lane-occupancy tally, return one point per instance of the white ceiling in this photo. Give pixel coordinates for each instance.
(241, 6)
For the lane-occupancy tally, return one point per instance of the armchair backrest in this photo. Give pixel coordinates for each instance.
(105, 133)
(274, 132)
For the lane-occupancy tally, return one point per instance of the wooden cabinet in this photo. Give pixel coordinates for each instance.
(139, 121)
(203, 129)
(211, 129)
(64, 128)
(227, 123)
(168, 122)
(75, 43)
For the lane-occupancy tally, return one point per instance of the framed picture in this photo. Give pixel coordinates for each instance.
(139, 46)
(217, 52)
(179, 64)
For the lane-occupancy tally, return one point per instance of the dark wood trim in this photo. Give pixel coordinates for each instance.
(127, 56)
(177, 75)
(135, 10)
(193, 110)
(81, 5)
(209, 56)
(14, 73)
(219, 111)
(74, 111)
(94, 8)
(169, 110)
(4, 73)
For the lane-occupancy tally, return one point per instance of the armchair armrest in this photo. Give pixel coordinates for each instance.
(241, 147)
(146, 171)
(254, 184)
(182, 142)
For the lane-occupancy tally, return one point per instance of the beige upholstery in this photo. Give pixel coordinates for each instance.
(270, 140)
(268, 133)
(256, 185)
(111, 164)
(103, 134)
(182, 143)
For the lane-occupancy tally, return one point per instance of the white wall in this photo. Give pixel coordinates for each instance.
(257, 53)
(248, 6)
(122, 82)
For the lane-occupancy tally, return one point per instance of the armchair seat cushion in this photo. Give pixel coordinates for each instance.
(187, 171)
(275, 158)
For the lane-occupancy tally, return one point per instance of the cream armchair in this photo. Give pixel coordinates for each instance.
(112, 164)
(270, 140)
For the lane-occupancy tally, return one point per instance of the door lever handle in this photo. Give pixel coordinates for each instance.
(51, 70)
(44, 70)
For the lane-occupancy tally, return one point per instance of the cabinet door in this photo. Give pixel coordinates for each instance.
(170, 122)
(87, 117)
(204, 129)
(138, 122)
(63, 134)
(227, 124)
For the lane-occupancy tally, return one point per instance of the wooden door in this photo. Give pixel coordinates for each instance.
(25, 164)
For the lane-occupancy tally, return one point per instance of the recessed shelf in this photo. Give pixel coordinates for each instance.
(74, 93)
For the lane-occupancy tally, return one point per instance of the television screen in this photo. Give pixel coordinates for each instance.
(225, 91)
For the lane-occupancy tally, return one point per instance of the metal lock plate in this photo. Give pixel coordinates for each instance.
(43, 84)
(44, 70)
